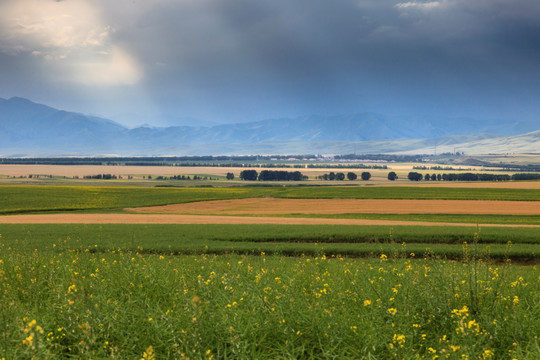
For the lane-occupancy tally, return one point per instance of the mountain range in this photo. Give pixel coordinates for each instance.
(31, 129)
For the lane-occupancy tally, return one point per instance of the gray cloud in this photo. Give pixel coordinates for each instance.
(241, 60)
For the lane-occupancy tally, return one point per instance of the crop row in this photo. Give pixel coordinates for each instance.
(311, 240)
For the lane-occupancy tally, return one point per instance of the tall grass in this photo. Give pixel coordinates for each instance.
(117, 304)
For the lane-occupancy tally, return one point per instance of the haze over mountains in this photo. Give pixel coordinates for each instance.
(30, 129)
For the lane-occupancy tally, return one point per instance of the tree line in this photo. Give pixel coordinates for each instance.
(526, 176)
(101, 177)
(341, 176)
(415, 176)
(270, 175)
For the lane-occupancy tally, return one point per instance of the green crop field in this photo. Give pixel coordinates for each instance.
(401, 241)
(444, 218)
(24, 199)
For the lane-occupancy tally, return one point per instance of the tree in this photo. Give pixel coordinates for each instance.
(439, 177)
(414, 176)
(433, 177)
(250, 175)
(427, 177)
(351, 176)
(332, 176)
(365, 176)
(340, 176)
(230, 176)
(392, 176)
(296, 176)
(267, 175)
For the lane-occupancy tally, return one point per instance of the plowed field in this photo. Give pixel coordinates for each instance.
(219, 212)
(271, 206)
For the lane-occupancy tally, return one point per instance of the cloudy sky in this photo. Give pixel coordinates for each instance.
(215, 61)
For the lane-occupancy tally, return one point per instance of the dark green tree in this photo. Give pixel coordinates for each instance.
(250, 175)
(351, 176)
(230, 176)
(365, 176)
(392, 176)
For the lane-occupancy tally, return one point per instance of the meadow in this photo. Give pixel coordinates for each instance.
(218, 291)
(129, 305)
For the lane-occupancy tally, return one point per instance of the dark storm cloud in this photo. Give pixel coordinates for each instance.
(246, 60)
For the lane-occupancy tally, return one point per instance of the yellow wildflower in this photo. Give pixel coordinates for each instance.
(149, 354)
(487, 354)
(29, 340)
(399, 339)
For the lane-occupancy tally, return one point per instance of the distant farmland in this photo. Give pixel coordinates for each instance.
(133, 271)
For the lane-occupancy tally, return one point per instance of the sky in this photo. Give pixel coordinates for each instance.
(204, 62)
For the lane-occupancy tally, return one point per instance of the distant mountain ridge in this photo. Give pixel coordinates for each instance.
(28, 128)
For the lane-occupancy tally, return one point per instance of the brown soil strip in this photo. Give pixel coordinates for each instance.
(201, 219)
(271, 206)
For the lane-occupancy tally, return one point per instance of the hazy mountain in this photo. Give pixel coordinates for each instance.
(35, 126)
(522, 143)
(33, 129)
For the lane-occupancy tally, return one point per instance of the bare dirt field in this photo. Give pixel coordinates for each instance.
(271, 206)
(82, 170)
(202, 219)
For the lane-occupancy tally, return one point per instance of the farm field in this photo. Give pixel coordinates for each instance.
(496, 243)
(140, 176)
(370, 272)
(32, 198)
(265, 206)
(334, 207)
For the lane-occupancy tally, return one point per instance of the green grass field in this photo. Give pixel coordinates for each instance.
(133, 291)
(24, 199)
(521, 244)
(444, 218)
